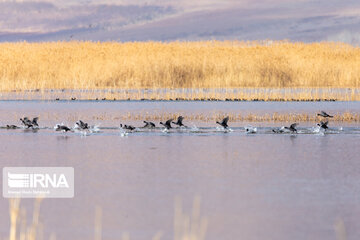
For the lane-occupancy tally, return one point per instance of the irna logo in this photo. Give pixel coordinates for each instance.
(37, 180)
(31, 182)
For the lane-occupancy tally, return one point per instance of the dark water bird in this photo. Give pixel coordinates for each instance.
(80, 124)
(167, 124)
(292, 127)
(149, 124)
(127, 127)
(28, 123)
(250, 129)
(224, 122)
(323, 125)
(324, 114)
(60, 127)
(278, 130)
(35, 121)
(11, 126)
(179, 121)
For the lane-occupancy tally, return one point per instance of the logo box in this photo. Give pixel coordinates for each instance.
(32, 182)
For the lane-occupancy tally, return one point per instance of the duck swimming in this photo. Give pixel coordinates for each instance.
(61, 127)
(127, 127)
(250, 129)
(278, 130)
(292, 129)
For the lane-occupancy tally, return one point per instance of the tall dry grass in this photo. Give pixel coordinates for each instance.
(186, 226)
(18, 217)
(211, 64)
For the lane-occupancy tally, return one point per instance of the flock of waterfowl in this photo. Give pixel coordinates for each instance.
(82, 126)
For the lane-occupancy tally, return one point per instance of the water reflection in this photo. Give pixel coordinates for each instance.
(62, 137)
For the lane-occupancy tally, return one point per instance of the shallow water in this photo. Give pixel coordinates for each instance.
(252, 186)
(109, 113)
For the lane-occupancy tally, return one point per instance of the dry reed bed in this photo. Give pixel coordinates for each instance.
(237, 117)
(194, 65)
(48, 117)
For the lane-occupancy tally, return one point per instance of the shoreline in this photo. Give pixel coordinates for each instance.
(188, 94)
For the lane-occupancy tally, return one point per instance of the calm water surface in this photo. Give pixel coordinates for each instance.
(259, 186)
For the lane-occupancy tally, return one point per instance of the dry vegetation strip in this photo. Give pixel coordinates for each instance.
(229, 94)
(237, 117)
(137, 117)
(212, 64)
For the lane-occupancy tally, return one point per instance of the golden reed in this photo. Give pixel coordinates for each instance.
(186, 226)
(207, 118)
(194, 65)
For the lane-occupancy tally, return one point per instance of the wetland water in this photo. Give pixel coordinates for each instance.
(252, 186)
